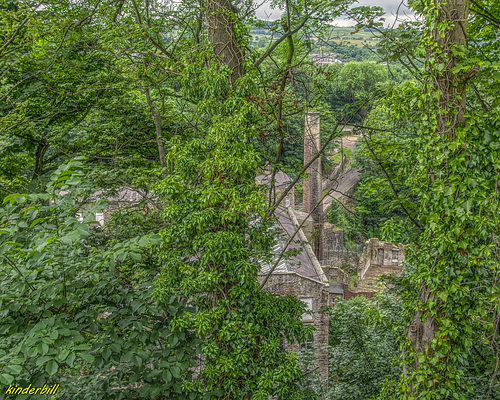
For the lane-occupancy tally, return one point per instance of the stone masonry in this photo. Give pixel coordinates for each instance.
(313, 180)
(314, 293)
(379, 258)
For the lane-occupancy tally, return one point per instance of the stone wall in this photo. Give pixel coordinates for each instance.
(304, 288)
(348, 294)
(334, 252)
(344, 259)
(379, 258)
(342, 291)
(333, 237)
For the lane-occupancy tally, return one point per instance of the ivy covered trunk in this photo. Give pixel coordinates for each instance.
(446, 47)
(221, 17)
(450, 43)
(456, 181)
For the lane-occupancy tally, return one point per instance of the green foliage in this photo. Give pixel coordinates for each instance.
(337, 157)
(449, 290)
(69, 317)
(76, 80)
(350, 91)
(364, 335)
(342, 217)
(348, 53)
(112, 315)
(215, 237)
(383, 206)
(371, 215)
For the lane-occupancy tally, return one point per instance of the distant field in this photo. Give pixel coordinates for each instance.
(338, 35)
(346, 35)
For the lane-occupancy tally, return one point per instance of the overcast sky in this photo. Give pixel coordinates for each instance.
(390, 6)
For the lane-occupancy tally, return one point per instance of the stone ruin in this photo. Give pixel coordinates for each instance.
(322, 271)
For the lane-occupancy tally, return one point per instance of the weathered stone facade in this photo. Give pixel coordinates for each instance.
(315, 294)
(300, 275)
(379, 258)
(342, 258)
(333, 238)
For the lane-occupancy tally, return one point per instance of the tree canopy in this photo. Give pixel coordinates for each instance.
(172, 100)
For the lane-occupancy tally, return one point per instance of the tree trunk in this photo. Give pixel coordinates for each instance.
(451, 85)
(39, 156)
(421, 332)
(222, 35)
(443, 56)
(159, 138)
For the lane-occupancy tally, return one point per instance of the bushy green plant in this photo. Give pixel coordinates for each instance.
(67, 314)
(364, 336)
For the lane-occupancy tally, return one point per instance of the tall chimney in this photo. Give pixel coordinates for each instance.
(313, 183)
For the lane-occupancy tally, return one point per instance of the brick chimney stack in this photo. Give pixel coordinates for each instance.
(312, 183)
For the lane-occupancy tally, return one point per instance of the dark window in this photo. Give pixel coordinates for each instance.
(306, 346)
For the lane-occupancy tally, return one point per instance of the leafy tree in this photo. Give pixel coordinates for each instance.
(444, 174)
(149, 91)
(449, 287)
(364, 337)
(53, 73)
(70, 315)
(351, 87)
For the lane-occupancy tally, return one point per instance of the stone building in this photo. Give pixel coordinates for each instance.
(321, 271)
(117, 199)
(379, 258)
(300, 275)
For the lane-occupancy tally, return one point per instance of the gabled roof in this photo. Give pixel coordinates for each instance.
(122, 195)
(302, 263)
(280, 179)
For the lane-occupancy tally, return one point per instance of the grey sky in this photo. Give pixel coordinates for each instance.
(390, 6)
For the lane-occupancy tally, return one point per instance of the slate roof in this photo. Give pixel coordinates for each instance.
(121, 195)
(280, 179)
(300, 263)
